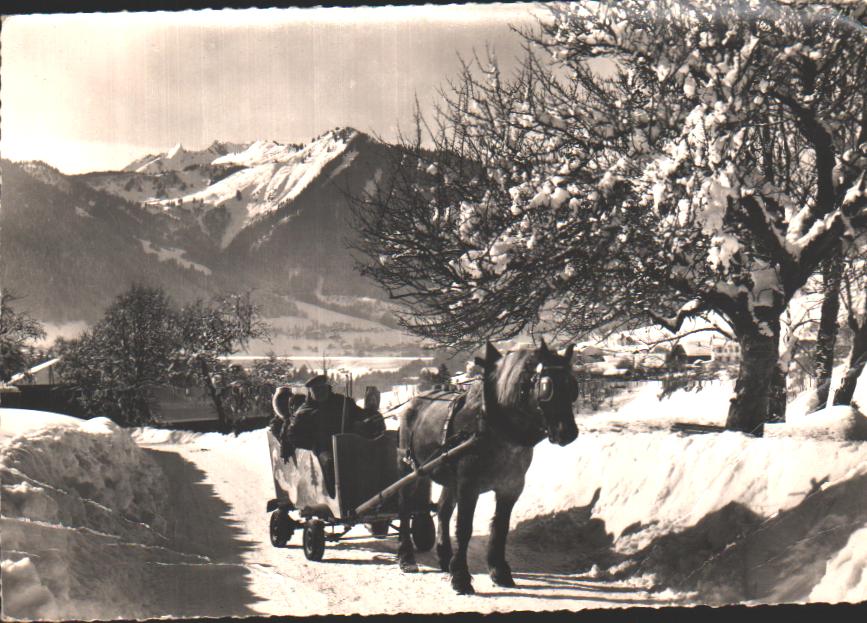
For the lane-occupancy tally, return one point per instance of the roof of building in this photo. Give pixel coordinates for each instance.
(37, 368)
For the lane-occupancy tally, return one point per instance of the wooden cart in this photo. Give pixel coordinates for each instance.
(367, 478)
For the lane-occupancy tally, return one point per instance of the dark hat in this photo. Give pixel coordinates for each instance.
(317, 381)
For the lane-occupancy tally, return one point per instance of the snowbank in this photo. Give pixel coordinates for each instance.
(729, 517)
(242, 444)
(841, 423)
(644, 409)
(158, 436)
(846, 574)
(72, 490)
(24, 593)
(14, 422)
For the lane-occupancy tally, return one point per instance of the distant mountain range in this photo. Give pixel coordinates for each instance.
(265, 216)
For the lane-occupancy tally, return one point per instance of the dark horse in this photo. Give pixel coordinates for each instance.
(525, 396)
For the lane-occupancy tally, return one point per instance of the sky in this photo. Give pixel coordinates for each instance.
(86, 92)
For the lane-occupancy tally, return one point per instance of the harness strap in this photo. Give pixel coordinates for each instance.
(456, 405)
(446, 440)
(409, 457)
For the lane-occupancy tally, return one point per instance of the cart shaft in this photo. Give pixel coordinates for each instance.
(424, 470)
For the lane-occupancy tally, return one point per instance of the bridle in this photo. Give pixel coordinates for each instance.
(542, 383)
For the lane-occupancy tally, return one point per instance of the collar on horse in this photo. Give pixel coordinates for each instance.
(457, 401)
(488, 418)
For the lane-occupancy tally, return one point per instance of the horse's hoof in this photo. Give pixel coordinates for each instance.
(463, 585)
(502, 576)
(408, 566)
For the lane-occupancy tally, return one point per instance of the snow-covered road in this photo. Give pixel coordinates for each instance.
(103, 522)
(221, 496)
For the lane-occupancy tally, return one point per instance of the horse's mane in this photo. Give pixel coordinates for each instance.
(512, 373)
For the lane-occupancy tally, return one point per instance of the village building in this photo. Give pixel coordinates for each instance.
(41, 374)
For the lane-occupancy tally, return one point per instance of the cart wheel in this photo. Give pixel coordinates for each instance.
(314, 539)
(378, 528)
(423, 532)
(281, 528)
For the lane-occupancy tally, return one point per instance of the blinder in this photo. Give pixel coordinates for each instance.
(545, 389)
(544, 384)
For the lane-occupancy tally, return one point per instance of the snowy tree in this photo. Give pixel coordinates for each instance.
(210, 331)
(144, 340)
(115, 365)
(266, 376)
(854, 295)
(649, 161)
(826, 340)
(18, 331)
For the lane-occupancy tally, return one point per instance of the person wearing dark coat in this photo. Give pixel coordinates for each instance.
(284, 404)
(325, 413)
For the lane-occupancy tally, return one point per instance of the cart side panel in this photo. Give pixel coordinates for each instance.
(274, 452)
(365, 467)
(301, 480)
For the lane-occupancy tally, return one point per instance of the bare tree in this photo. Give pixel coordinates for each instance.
(649, 161)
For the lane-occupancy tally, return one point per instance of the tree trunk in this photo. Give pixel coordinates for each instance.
(778, 396)
(827, 338)
(753, 403)
(212, 391)
(857, 361)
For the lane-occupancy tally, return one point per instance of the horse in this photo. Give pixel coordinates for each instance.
(525, 395)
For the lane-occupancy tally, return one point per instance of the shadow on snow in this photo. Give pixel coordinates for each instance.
(731, 555)
(216, 585)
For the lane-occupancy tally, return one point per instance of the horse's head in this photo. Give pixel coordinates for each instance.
(537, 388)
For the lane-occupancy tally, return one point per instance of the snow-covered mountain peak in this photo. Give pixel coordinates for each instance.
(175, 152)
(263, 151)
(221, 148)
(179, 158)
(270, 174)
(258, 152)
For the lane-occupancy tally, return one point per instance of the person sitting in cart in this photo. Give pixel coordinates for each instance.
(284, 403)
(325, 413)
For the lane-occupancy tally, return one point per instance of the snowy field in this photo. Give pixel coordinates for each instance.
(99, 522)
(341, 364)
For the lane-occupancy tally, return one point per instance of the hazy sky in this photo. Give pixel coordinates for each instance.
(88, 92)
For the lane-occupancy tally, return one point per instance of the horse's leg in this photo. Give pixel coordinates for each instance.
(467, 496)
(445, 506)
(498, 568)
(406, 551)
